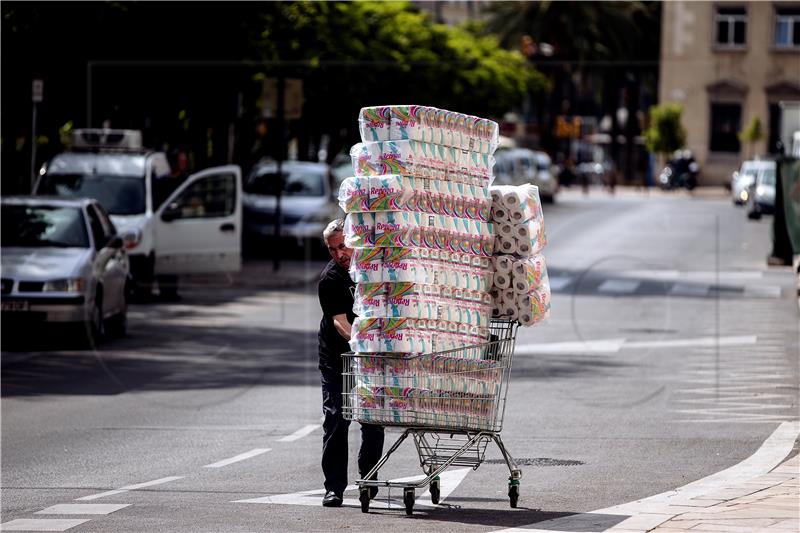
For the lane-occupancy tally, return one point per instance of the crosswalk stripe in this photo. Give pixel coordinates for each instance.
(619, 286)
(300, 433)
(557, 283)
(689, 289)
(42, 524)
(83, 508)
(237, 458)
(128, 488)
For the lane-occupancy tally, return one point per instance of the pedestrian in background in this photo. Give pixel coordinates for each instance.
(336, 298)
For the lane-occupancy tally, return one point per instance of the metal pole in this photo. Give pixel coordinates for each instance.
(281, 151)
(33, 148)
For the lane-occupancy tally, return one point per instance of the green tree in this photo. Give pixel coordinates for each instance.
(751, 134)
(665, 133)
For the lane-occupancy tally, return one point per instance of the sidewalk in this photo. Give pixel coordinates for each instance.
(767, 503)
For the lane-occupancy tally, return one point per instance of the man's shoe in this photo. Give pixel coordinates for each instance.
(332, 499)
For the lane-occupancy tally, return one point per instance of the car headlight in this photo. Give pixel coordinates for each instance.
(131, 238)
(743, 195)
(760, 191)
(64, 285)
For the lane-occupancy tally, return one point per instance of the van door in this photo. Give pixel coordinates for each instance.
(198, 228)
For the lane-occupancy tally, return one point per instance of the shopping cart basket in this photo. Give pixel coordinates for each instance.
(451, 403)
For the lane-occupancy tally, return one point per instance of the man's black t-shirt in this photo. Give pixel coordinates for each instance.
(336, 298)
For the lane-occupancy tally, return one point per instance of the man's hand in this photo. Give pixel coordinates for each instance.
(342, 325)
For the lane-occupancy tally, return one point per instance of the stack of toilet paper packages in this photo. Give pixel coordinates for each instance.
(428, 390)
(430, 125)
(521, 288)
(419, 221)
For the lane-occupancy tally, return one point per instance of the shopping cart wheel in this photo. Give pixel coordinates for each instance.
(363, 497)
(408, 499)
(513, 493)
(435, 493)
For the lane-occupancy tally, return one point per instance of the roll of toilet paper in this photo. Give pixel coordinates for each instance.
(505, 245)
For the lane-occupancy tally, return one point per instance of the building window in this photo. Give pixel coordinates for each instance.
(731, 26)
(725, 124)
(787, 27)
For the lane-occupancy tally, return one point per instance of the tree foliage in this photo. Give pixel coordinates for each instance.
(666, 133)
(372, 52)
(581, 31)
(753, 132)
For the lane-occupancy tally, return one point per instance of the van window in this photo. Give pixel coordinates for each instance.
(119, 195)
(209, 197)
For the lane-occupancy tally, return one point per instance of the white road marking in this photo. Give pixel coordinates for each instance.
(615, 345)
(619, 286)
(83, 508)
(695, 275)
(647, 513)
(237, 458)
(449, 480)
(300, 433)
(559, 282)
(763, 291)
(689, 289)
(42, 524)
(128, 488)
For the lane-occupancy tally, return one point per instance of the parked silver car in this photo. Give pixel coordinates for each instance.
(761, 193)
(742, 179)
(307, 200)
(515, 166)
(62, 262)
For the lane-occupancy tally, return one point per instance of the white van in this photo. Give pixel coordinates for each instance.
(197, 229)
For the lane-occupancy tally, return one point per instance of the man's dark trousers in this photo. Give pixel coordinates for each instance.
(335, 430)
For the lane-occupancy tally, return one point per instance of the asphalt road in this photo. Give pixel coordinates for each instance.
(671, 354)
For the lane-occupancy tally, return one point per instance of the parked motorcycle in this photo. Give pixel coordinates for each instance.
(681, 171)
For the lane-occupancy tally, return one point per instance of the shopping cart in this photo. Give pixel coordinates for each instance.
(450, 402)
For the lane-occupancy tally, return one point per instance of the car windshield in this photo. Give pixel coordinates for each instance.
(767, 177)
(37, 226)
(295, 183)
(120, 195)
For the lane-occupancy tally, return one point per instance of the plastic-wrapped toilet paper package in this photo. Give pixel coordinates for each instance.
(529, 274)
(370, 371)
(369, 403)
(515, 203)
(428, 124)
(396, 228)
(534, 307)
(370, 300)
(530, 237)
(354, 194)
(374, 122)
(359, 230)
(366, 265)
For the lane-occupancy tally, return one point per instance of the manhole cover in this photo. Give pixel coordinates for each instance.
(537, 461)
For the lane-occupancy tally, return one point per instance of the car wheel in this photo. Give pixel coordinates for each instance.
(94, 327)
(117, 325)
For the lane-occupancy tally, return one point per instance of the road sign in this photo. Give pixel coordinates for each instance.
(292, 98)
(38, 90)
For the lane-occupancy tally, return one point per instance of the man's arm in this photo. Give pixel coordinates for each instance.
(342, 325)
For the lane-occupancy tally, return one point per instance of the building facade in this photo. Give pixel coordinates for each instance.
(727, 63)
